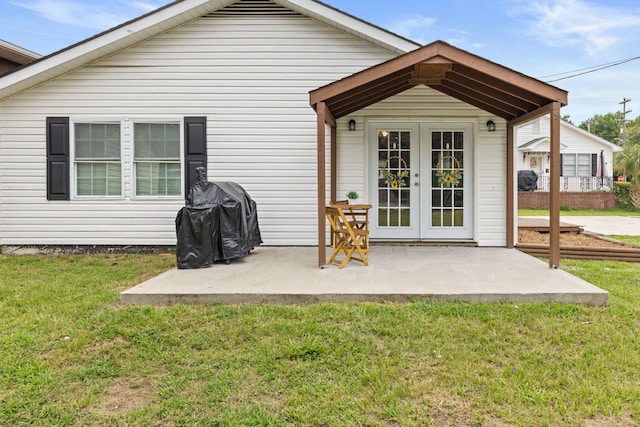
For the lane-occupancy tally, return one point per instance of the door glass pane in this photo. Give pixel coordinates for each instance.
(405, 198)
(394, 163)
(447, 173)
(405, 218)
(436, 198)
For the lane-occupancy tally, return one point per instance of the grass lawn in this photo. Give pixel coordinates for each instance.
(580, 212)
(628, 239)
(72, 355)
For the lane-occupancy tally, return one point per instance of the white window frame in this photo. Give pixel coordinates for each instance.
(132, 163)
(73, 161)
(576, 164)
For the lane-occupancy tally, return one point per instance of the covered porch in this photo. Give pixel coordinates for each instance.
(503, 93)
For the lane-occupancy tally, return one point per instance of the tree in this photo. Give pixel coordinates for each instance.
(633, 131)
(605, 126)
(627, 161)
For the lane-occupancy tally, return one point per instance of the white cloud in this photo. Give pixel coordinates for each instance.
(412, 26)
(79, 13)
(590, 27)
(144, 6)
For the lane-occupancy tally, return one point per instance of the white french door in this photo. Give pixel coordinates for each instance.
(421, 181)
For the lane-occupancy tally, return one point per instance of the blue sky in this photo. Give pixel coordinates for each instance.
(540, 38)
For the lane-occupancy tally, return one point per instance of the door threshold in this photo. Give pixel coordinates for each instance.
(422, 243)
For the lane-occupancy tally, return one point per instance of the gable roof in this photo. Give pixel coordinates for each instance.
(16, 53)
(534, 143)
(452, 71)
(178, 13)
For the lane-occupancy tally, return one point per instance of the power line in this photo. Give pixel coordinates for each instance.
(588, 70)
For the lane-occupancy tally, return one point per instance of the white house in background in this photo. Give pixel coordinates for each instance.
(99, 142)
(582, 155)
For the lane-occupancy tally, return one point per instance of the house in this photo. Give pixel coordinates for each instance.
(586, 160)
(292, 99)
(12, 57)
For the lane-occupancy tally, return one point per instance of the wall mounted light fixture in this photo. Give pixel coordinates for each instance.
(352, 125)
(491, 126)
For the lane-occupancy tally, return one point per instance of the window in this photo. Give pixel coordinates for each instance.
(123, 158)
(577, 165)
(535, 127)
(97, 161)
(156, 157)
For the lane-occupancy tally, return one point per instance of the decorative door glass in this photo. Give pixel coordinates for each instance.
(447, 179)
(394, 193)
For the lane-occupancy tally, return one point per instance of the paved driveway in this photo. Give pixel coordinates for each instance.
(622, 225)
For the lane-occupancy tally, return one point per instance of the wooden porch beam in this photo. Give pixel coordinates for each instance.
(502, 73)
(493, 92)
(484, 98)
(532, 115)
(369, 94)
(554, 193)
(493, 109)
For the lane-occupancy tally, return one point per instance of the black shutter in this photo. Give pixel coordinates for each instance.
(594, 164)
(561, 164)
(195, 149)
(58, 158)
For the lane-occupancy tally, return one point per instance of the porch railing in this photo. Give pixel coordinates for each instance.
(579, 183)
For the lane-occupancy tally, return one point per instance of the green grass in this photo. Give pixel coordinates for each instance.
(580, 212)
(72, 355)
(630, 239)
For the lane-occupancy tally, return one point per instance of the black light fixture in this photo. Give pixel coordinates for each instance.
(491, 126)
(352, 125)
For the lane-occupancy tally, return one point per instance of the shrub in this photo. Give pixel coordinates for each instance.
(623, 196)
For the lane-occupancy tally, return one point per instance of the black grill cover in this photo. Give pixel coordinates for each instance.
(527, 180)
(219, 222)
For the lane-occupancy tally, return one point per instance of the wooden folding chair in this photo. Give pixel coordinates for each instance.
(358, 217)
(351, 241)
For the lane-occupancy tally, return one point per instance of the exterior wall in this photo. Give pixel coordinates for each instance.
(426, 104)
(250, 75)
(575, 200)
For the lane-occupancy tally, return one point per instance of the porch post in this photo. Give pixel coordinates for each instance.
(321, 165)
(554, 193)
(510, 187)
(334, 162)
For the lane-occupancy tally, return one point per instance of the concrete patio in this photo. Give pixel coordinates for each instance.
(289, 275)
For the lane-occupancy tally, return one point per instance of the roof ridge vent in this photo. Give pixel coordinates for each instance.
(253, 8)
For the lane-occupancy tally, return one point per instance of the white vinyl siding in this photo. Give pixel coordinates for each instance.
(249, 75)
